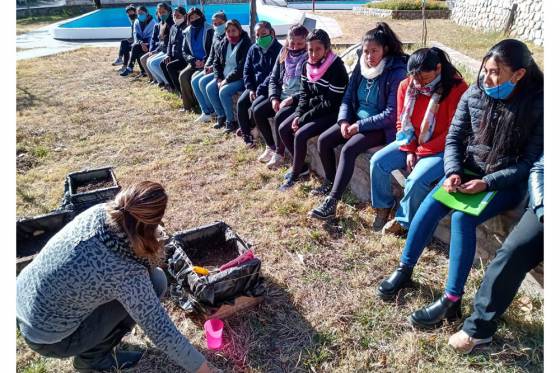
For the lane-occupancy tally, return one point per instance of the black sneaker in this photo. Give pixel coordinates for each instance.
(289, 183)
(433, 315)
(126, 72)
(325, 210)
(398, 280)
(323, 190)
(230, 127)
(249, 141)
(304, 172)
(109, 363)
(221, 122)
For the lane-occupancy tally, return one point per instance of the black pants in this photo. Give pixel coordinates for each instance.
(171, 71)
(356, 145)
(522, 251)
(124, 50)
(102, 330)
(296, 143)
(262, 110)
(244, 111)
(135, 55)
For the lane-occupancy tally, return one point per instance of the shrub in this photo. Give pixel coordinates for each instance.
(408, 5)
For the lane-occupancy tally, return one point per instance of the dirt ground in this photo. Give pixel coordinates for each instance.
(321, 315)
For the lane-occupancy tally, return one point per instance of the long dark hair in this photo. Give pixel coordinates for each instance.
(321, 36)
(506, 125)
(426, 59)
(383, 35)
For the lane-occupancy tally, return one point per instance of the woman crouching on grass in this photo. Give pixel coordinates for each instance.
(497, 134)
(324, 79)
(94, 280)
(366, 118)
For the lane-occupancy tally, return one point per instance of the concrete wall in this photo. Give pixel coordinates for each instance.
(492, 15)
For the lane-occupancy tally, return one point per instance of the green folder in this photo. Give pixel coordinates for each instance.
(472, 204)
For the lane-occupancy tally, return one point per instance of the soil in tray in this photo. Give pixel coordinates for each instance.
(214, 257)
(94, 186)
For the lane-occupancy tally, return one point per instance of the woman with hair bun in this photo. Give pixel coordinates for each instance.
(95, 279)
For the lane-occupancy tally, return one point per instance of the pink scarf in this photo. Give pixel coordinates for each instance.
(314, 73)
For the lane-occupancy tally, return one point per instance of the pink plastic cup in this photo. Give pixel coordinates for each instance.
(213, 329)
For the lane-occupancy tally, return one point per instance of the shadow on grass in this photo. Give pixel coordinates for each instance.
(272, 337)
(26, 99)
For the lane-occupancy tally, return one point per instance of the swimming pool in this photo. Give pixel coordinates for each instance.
(327, 4)
(112, 23)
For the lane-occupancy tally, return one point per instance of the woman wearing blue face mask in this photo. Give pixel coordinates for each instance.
(203, 77)
(143, 30)
(158, 46)
(497, 134)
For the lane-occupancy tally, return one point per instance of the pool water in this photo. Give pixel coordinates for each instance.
(116, 17)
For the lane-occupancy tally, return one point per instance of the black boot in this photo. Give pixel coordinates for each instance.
(325, 210)
(398, 280)
(220, 123)
(323, 190)
(231, 126)
(432, 316)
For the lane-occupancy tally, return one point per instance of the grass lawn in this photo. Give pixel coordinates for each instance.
(321, 314)
(464, 39)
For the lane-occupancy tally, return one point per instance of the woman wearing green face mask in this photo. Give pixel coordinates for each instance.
(256, 75)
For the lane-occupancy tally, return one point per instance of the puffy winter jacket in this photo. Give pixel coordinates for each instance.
(461, 153)
(393, 73)
(159, 42)
(536, 188)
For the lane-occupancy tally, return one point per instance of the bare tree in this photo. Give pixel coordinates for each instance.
(253, 18)
(424, 24)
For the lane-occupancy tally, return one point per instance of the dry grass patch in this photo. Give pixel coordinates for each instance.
(321, 314)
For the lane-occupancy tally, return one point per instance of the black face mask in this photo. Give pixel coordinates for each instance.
(197, 22)
(132, 17)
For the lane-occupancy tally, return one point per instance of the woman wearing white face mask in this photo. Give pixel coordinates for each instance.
(174, 60)
(366, 118)
(426, 102)
(497, 135)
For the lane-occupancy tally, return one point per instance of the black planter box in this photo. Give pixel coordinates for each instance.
(79, 201)
(33, 233)
(221, 293)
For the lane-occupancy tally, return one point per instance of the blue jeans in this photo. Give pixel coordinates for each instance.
(222, 99)
(463, 233)
(418, 184)
(153, 64)
(199, 82)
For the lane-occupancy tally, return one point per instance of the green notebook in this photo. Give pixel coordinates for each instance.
(472, 204)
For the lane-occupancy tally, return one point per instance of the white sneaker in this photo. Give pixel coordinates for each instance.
(463, 343)
(266, 155)
(203, 118)
(276, 161)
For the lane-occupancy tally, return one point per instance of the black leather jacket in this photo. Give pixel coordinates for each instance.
(536, 188)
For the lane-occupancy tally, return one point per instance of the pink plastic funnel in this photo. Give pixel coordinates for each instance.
(213, 329)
